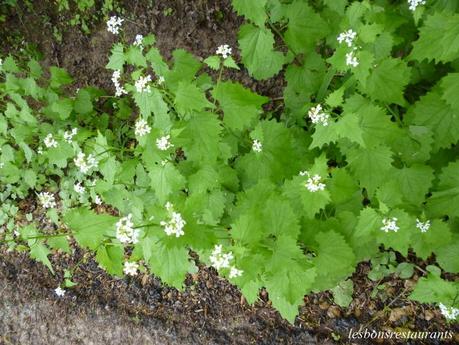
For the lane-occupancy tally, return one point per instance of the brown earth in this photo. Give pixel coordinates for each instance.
(107, 310)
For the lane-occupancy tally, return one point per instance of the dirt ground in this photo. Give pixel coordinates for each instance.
(106, 310)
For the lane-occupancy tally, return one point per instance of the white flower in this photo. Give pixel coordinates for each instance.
(390, 224)
(160, 80)
(130, 268)
(318, 116)
(164, 143)
(257, 146)
(49, 141)
(138, 40)
(224, 50)
(313, 183)
(175, 225)
(85, 164)
(141, 84)
(347, 37)
(2, 165)
(351, 60)
(1, 62)
(68, 135)
(125, 231)
(59, 291)
(141, 128)
(415, 3)
(40, 150)
(114, 24)
(423, 226)
(119, 90)
(219, 259)
(450, 313)
(98, 200)
(47, 200)
(234, 272)
(77, 187)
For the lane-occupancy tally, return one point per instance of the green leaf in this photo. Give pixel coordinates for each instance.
(334, 259)
(171, 264)
(450, 87)
(393, 72)
(59, 155)
(117, 57)
(433, 241)
(230, 63)
(134, 56)
(438, 38)
(447, 256)
(251, 10)
(371, 166)
(110, 258)
(433, 289)
(165, 180)
(257, 50)
(40, 252)
(189, 98)
(213, 62)
(414, 182)
(445, 198)
(59, 77)
(342, 293)
(305, 27)
(88, 228)
(83, 102)
(152, 102)
(241, 106)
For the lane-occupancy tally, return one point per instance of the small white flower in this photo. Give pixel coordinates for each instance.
(234, 272)
(40, 150)
(2, 165)
(49, 141)
(351, 60)
(257, 146)
(347, 37)
(415, 3)
(98, 200)
(125, 231)
(423, 226)
(68, 135)
(450, 313)
(141, 128)
(130, 268)
(59, 291)
(164, 162)
(85, 164)
(318, 116)
(175, 225)
(77, 187)
(313, 183)
(224, 50)
(138, 40)
(119, 90)
(164, 143)
(141, 84)
(47, 200)
(169, 206)
(219, 259)
(114, 24)
(390, 224)
(160, 80)
(1, 63)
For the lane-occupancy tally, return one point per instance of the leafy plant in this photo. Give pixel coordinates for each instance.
(362, 154)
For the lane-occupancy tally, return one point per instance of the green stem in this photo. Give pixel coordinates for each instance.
(325, 84)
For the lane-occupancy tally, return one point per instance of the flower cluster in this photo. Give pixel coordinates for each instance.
(85, 164)
(450, 313)
(138, 41)
(224, 50)
(47, 200)
(390, 224)
(77, 187)
(49, 141)
(130, 268)
(423, 226)
(114, 24)
(219, 259)
(68, 135)
(141, 84)
(125, 231)
(257, 146)
(119, 90)
(175, 224)
(60, 292)
(415, 3)
(313, 183)
(318, 116)
(164, 143)
(141, 128)
(348, 37)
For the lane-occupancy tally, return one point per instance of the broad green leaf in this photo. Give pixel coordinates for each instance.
(189, 98)
(445, 197)
(251, 10)
(110, 258)
(117, 57)
(257, 50)
(165, 180)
